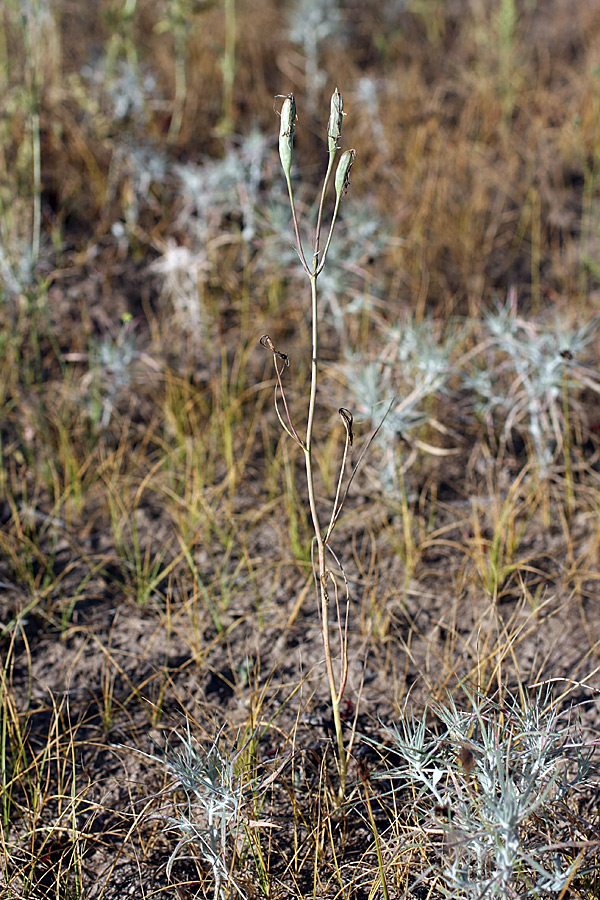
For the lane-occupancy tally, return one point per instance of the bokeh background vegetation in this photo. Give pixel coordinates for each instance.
(155, 544)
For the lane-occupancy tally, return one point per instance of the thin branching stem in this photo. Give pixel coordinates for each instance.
(296, 229)
(337, 510)
(316, 267)
(291, 430)
(347, 420)
(322, 573)
(319, 268)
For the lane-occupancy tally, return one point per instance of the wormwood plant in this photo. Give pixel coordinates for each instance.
(217, 795)
(328, 584)
(501, 780)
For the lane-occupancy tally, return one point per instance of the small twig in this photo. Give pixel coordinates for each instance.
(266, 342)
(348, 421)
(373, 435)
(343, 635)
(343, 632)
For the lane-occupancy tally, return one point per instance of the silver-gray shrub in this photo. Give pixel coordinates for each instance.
(314, 26)
(522, 374)
(218, 202)
(523, 377)
(111, 363)
(230, 186)
(499, 779)
(209, 809)
(413, 367)
(216, 794)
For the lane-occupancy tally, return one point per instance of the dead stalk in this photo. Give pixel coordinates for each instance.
(323, 576)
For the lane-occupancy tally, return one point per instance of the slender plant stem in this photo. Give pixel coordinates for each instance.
(180, 87)
(329, 236)
(316, 267)
(324, 576)
(228, 65)
(380, 863)
(296, 229)
(566, 444)
(313, 373)
(336, 502)
(321, 567)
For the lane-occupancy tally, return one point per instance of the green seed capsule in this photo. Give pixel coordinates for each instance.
(286, 132)
(342, 173)
(336, 115)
